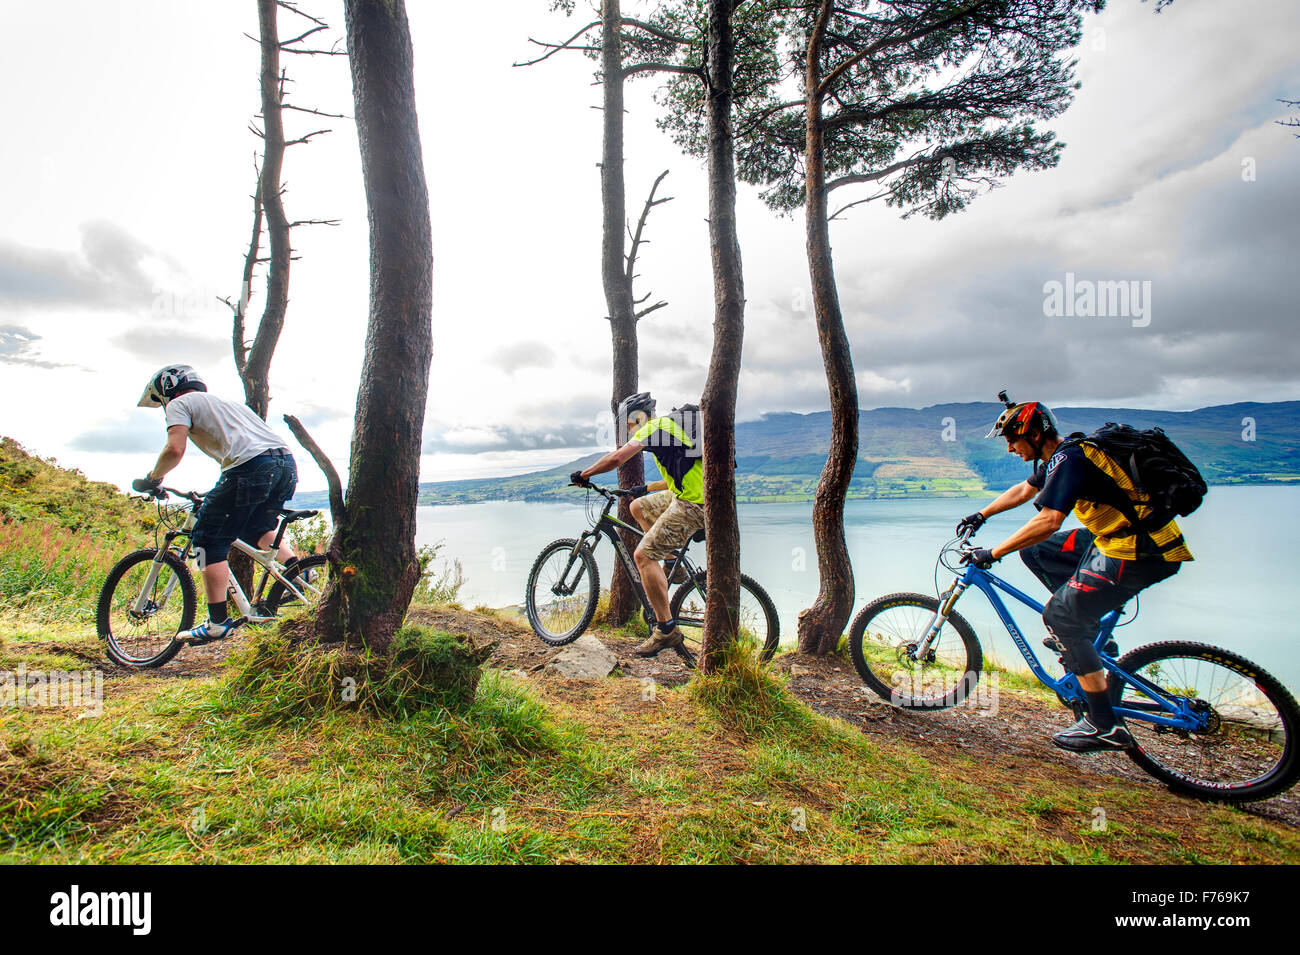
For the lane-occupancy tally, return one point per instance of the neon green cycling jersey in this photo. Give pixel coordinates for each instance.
(680, 463)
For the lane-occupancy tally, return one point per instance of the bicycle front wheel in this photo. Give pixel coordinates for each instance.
(309, 576)
(1247, 748)
(759, 625)
(138, 619)
(885, 643)
(562, 593)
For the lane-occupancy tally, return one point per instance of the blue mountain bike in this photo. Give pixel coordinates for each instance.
(1206, 722)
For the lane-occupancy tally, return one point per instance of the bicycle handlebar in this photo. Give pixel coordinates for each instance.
(604, 491)
(160, 493)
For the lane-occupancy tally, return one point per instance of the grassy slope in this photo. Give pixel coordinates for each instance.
(174, 771)
(37, 489)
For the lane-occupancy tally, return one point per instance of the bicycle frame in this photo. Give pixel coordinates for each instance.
(264, 559)
(609, 526)
(1169, 711)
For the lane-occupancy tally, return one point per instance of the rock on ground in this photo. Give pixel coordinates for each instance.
(584, 659)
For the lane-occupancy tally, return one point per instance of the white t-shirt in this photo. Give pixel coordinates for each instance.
(226, 431)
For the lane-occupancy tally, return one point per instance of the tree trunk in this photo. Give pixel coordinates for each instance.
(617, 283)
(257, 369)
(718, 404)
(373, 556)
(821, 625)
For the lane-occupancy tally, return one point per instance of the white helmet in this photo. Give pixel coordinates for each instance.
(166, 381)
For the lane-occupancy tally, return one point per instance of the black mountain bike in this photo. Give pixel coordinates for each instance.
(564, 587)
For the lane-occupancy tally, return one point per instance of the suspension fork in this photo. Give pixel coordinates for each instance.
(947, 600)
(142, 599)
(561, 589)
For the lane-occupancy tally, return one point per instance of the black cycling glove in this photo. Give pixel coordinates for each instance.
(145, 485)
(577, 478)
(981, 557)
(974, 522)
(638, 490)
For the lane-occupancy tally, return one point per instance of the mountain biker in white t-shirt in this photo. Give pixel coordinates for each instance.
(258, 476)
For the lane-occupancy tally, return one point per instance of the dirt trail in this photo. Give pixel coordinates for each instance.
(1012, 735)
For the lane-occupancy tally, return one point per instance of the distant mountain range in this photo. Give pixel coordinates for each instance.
(938, 451)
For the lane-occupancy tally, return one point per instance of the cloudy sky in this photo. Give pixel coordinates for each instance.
(128, 165)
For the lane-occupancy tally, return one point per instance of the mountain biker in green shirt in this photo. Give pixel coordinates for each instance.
(670, 511)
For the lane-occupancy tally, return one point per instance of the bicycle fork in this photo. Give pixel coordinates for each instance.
(947, 600)
(142, 606)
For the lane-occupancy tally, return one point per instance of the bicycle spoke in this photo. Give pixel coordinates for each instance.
(1244, 737)
(144, 634)
(891, 641)
(561, 594)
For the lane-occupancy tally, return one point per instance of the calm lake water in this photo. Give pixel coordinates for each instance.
(1236, 594)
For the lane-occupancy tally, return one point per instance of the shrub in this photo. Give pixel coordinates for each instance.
(43, 567)
(278, 678)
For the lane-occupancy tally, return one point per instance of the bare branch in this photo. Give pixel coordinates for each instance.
(324, 463)
(307, 136)
(557, 47)
(636, 236)
(646, 311)
(314, 112)
(293, 8)
(334, 51)
(301, 36)
(298, 222)
(240, 308)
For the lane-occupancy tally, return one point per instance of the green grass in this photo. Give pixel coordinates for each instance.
(730, 768)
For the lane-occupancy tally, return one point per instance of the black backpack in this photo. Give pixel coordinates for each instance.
(1156, 467)
(687, 418)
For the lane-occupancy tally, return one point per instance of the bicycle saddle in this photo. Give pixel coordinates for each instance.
(698, 536)
(291, 516)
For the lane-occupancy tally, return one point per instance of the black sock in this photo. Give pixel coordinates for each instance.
(1100, 712)
(217, 612)
(666, 626)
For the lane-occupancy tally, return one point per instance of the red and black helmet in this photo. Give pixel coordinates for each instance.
(1021, 418)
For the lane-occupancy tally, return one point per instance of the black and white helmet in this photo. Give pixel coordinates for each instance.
(641, 401)
(166, 382)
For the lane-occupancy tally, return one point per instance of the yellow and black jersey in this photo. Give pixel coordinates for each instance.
(1081, 477)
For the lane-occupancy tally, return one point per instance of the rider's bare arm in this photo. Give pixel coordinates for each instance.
(656, 486)
(615, 459)
(1010, 498)
(1043, 525)
(172, 452)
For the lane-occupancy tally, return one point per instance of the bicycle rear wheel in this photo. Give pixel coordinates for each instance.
(1248, 748)
(759, 624)
(310, 576)
(883, 641)
(562, 592)
(146, 637)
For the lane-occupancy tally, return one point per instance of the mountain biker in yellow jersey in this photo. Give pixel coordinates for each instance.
(669, 511)
(1091, 570)
(258, 475)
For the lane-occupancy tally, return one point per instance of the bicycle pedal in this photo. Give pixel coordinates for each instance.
(687, 657)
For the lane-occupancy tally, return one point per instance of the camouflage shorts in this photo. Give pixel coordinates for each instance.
(675, 521)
